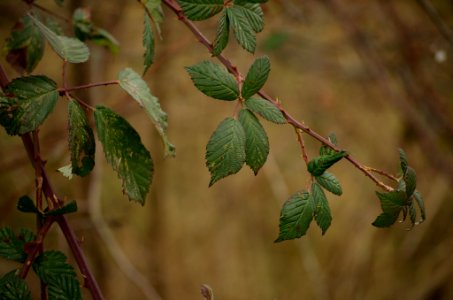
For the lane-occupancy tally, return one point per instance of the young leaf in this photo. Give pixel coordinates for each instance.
(68, 208)
(148, 43)
(198, 10)
(385, 220)
(30, 100)
(265, 109)
(256, 77)
(392, 202)
(137, 88)
(325, 150)
(214, 81)
(69, 49)
(330, 182)
(225, 152)
(322, 213)
(12, 287)
(26, 205)
(410, 179)
(253, 13)
(52, 264)
(125, 152)
(81, 140)
(25, 46)
(296, 216)
(242, 29)
(222, 35)
(319, 164)
(256, 141)
(64, 287)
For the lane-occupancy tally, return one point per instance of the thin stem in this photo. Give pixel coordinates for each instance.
(381, 172)
(64, 90)
(291, 120)
(300, 139)
(435, 17)
(49, 12)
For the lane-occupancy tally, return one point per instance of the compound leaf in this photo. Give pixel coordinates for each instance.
(253, 13)
(12, 287)
(222, 35)
(243, 30)
(137, 88)
(319, 164)
(256, 141)
(322, 212)
(28, 102)
(265, 109)
(214, 81)
(81, 140)
(197, 10)
(296, 216)
(256, 77)
(225, 152)
(69, 49)
(125, 152)
(25, 46)
(148, 43)
(329, 182)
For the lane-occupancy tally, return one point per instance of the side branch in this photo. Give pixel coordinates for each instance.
(291, 120)
(64, 90)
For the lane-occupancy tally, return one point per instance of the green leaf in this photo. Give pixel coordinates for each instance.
(81, 140)
(27, 205)
(125, 152)
(265, 109)
(385, 220)
(137, 88)
(256, 141)
(322, 213)
(253, 13)
(12, 287)
(66, 171)
(25, 46)
(12, 246)
(296, 216)
(326, 150)
(243, 30)
(403, 160)
(225, 152)
(69, 49)
(421, 205)
(28, 103)
(64, 288)
(256, 77)
(154, 8)
(197, 10)
(222, 35)
(68, 208)
(52, 264)
(319, 164)
(84, 29)
(214, 81)
(148, 43)
(329, 182)
(392, 202)
(410, 179)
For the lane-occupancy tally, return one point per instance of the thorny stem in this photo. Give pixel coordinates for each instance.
(290, 119)
(31, 145)
(300, 139)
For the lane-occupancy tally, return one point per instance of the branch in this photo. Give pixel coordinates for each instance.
(435, 17)
(291, 120)
(64, 90)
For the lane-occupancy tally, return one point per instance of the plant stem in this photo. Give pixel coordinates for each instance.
(291, 120)
(64, 90)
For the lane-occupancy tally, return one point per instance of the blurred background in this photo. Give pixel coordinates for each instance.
(377, 73)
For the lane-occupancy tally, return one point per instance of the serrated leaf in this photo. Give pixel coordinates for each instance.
(198, 10)
(222, 35)
(28, 102)
(68, 208)
(265, 109)
(256, 141)
(214, 81)
(326, 150)
(319, 164)
(242, 29)
(125, 152)
(225, 152)
(392, 202)
(12, 287)
(52, 264)
(253, 13)
(154, 8)
(12, 246)
(421, 205)
(27, 205)
(24, 46)
(403, 160)
(385, 220)
(296, 216)
(322, 212)
(137, 88)
(329, 182)
(69, 49)
(148, 43)
(81, 140)
(256, 77)
(410, 179)
(66, 171)
(64, 288)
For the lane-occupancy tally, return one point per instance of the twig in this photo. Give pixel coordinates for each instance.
(300, 139)
(381, 172)
(435, 17)
(64, 90)
(49, 12)
(291, 120)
